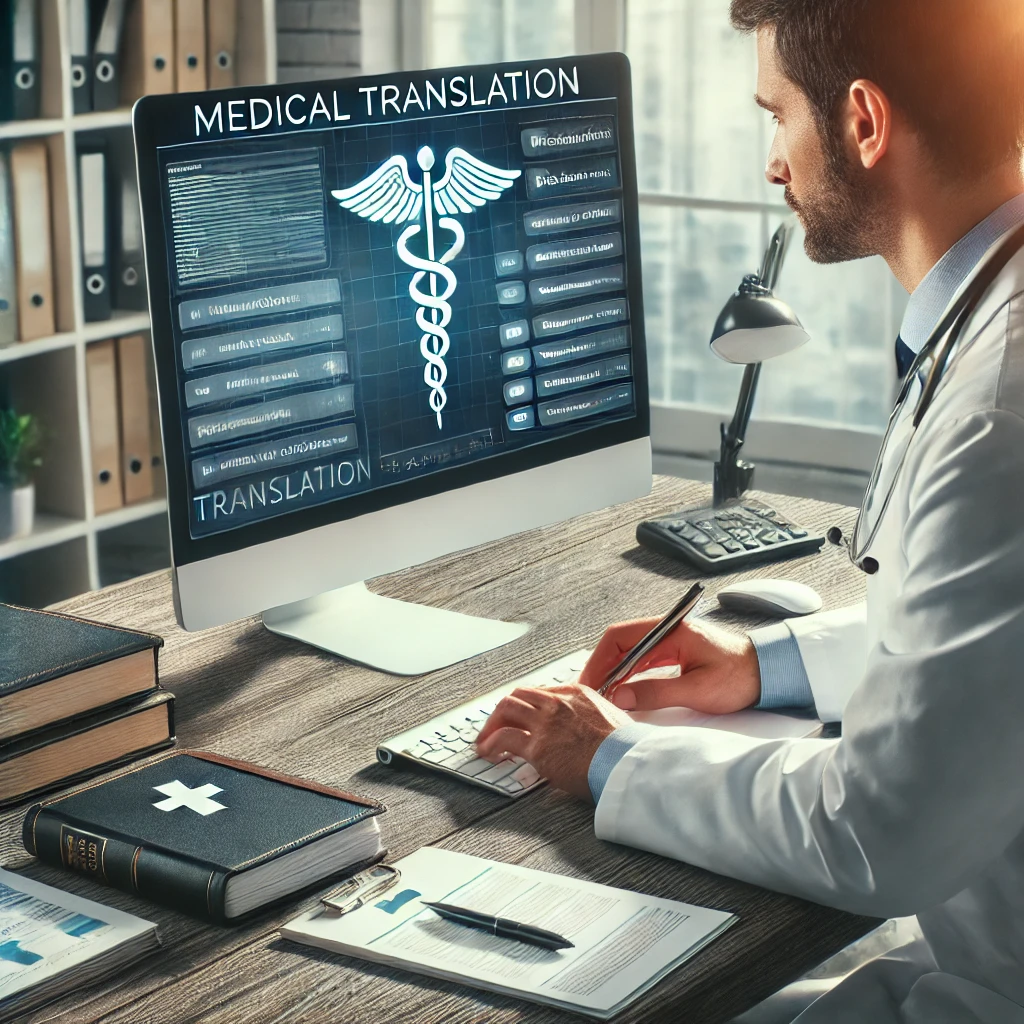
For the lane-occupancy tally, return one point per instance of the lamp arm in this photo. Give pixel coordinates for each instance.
(732, 476)
(775, 256)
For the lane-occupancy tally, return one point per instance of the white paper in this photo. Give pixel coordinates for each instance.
(623, 941)
(45, 931)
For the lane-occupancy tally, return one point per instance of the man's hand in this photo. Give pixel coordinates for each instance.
(557, 729)
(719, 672)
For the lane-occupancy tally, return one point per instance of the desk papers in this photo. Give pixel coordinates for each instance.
(624, 941)
(52, 942)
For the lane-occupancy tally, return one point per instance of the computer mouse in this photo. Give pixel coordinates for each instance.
(779, 598)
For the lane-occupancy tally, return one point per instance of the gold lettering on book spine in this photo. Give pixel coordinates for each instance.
(83, 852)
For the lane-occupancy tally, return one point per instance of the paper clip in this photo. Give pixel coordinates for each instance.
(359, 889)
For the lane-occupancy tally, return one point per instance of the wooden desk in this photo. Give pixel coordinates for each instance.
(243, 692)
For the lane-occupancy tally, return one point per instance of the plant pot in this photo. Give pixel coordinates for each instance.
(17, 510)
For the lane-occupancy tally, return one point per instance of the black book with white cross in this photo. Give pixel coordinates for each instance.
(206, 835)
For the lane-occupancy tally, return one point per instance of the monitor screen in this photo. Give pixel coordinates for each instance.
(370, 290)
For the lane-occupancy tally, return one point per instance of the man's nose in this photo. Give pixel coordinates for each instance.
(777, 168)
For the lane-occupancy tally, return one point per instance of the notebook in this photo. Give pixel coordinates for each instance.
(624, 942)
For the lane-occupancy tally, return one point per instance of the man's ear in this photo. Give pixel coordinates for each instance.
(868, 121)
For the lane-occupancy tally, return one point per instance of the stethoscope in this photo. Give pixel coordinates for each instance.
(938, 349)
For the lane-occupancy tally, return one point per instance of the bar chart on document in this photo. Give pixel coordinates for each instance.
(362, 305)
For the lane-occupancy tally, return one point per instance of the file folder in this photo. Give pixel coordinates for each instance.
(92, 200)
(148, 54)
(129, 267)
(8, 279)
(101, 386)
(24, 71)
(133, 396)
(30, 189)
(81, 60)
(156, 448)
(221, 40)
(106, 84)
(190, 43)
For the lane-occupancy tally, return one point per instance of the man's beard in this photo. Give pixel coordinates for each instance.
(841, 216)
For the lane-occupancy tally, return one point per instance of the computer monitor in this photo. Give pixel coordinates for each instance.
(393, 317)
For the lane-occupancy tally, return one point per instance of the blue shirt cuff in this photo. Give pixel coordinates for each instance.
(784, 682)
(611, 752)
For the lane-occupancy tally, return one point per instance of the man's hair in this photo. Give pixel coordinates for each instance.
(953, 68)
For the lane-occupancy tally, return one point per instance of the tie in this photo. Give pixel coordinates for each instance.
(905, 357)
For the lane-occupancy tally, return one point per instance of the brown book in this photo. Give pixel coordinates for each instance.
(30, 186)
(104, 433)
(221, 39)
(190, 44)
(133, 395)
(86, 745)
(148, 55)
(54, 667)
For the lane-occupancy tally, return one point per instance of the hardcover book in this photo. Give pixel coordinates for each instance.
(74, 750)
(204, 834)
(54, 667)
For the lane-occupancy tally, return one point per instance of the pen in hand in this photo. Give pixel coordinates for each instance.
(641, 649)
(500, 926)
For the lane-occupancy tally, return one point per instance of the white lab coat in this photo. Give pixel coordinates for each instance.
(919, 808)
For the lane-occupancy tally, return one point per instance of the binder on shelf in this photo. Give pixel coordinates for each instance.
(20, 58)
(221, 40)
(8, 278)
(101, 386)
(30, 189)
(156, 449)
(190, 43)
(133, 401)
(128, 264)
(106, 83)
(92, 202)
(148, 56)
(81, 59)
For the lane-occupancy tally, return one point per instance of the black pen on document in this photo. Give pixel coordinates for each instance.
(640, 650)
(500, 926)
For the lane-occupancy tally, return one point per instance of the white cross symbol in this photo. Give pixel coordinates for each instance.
(198, 800)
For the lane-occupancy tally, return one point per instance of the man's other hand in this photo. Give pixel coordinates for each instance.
(718, 670)
(557, 729)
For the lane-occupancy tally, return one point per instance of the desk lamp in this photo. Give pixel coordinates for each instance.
(753, 326)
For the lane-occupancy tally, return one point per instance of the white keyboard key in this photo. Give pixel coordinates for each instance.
(498, 771)
(456, 761)
(510, 785)
(436, 756)
(475, 767)
(527, 775)
(420, 749)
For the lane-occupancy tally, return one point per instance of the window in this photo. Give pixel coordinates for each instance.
(484, 31)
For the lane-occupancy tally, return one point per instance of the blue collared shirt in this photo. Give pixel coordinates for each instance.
(784, 682)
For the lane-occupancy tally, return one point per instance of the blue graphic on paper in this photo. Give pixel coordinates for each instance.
(396, 903)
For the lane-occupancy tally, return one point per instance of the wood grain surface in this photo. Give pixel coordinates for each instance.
(243, 692)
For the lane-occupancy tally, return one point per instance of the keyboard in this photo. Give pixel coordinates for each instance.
(728, 539)
(445, 743)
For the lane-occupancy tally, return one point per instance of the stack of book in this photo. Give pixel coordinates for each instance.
(76, 697)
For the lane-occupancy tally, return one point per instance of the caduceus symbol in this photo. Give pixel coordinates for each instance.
(390, 196)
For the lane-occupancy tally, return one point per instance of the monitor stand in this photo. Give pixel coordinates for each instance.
(392, 636)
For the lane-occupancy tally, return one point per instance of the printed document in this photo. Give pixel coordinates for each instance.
(52, 941)
(623, 942)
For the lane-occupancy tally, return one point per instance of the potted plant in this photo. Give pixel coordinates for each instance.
(19, 456)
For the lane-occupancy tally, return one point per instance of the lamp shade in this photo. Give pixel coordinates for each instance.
(755, 326)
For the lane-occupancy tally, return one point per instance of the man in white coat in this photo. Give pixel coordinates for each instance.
(900, 126)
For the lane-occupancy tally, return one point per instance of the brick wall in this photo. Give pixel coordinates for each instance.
(317, 39)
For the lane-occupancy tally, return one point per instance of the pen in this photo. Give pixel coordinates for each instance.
(652, 639)
(500, 926)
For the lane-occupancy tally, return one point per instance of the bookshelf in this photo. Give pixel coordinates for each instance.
(72, 548)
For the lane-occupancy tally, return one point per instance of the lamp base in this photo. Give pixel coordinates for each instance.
(732, 480)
